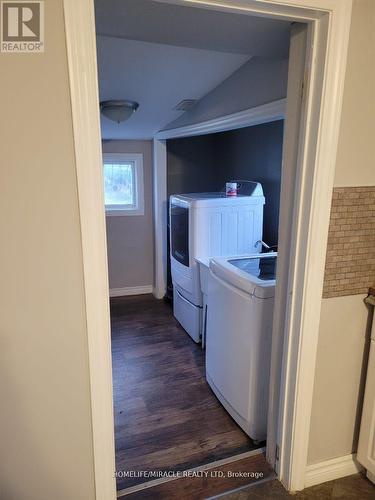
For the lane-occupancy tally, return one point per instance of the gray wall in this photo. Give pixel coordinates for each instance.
(343, 335)
(192, 165)
(339, 378)
(255, 153)
(257, 82)
(205, 163)
(45, 420)
(130, 237)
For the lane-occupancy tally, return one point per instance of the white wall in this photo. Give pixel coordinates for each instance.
(337, 389)
(130, 238)
(45, 418)
(257, 82)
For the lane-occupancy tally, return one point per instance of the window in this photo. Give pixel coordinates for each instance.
(123, 184)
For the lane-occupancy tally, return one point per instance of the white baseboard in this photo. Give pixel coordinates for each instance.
(130, 290)
(331, 469)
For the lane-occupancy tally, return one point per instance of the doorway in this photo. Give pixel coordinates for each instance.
(340, 19)
(159, 375)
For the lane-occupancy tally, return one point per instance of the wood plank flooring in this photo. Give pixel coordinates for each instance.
(166, 416)
(215, 481)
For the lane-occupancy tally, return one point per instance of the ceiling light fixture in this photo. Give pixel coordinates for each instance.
(118, 111)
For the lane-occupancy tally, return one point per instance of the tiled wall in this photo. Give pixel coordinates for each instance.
(350, 262)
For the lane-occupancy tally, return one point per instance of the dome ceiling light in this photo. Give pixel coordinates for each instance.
(118, 111)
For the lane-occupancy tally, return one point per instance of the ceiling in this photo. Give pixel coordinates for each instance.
(194, 27)
(158, 77)
(159, 54)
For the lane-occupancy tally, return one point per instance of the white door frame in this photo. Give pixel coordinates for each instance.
(81, 52)
(329, 25)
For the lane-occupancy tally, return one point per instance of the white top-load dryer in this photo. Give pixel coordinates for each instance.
(238, 340)
(204, 225)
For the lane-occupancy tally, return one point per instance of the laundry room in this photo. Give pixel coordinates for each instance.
(192, 188)
(207, 162)
(187, 287)
(224, 196)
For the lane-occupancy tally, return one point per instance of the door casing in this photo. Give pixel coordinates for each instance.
(329, 26)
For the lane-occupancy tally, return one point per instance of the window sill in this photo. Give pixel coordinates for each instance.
(123, 212)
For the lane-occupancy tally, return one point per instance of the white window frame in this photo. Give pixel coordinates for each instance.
(139, 207)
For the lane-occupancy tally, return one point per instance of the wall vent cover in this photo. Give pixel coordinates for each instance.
(186, 104)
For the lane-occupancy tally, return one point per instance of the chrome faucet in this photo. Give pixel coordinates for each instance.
(267, 247)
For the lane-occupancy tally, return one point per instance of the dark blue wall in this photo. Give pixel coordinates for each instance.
(205, 163)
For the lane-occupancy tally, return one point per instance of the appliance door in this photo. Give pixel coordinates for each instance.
(238, 352)
(179, 223)
(366, 446)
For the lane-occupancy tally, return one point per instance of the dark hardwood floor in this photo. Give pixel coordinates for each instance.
(215, 481)
(166, 416)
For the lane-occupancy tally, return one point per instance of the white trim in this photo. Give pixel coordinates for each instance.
(81, 53)
(331, 469)
(160, 214)
(298, 64)
(139, 207)
(209, 466)
(264, 113)
(317, 160)
(130, 290)
(330, 28)
(113, 211)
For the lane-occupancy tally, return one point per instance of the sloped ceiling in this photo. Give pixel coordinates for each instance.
(158, 77)
(159, 54)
